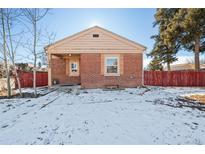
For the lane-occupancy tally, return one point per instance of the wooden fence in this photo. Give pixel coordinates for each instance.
(152, 78)
(26, 79)
(174, 78)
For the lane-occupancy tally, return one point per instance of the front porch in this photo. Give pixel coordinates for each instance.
(64, 69)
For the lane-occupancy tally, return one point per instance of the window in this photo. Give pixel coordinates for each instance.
(95, 35)
(112, 65)
(74, 68)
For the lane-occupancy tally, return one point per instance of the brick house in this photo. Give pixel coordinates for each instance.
(95, 58)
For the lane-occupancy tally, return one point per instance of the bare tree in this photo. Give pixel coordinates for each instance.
(33, 16)
(5, 52)
(49, 38)
(12, 15)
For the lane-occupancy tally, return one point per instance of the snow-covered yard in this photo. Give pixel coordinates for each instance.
(130, 116)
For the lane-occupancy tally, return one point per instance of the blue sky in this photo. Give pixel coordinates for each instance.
(135, 24)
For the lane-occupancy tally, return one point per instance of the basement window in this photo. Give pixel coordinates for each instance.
(95, 35)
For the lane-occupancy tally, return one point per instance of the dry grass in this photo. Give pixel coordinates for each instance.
(3, 85)
(197, 97)
(4, 92)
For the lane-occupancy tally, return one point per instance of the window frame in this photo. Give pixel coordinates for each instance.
(105, 65)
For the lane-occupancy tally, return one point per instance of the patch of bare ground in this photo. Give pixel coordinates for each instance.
(197, 97)
(180, 102)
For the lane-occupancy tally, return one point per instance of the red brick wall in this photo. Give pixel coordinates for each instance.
(92, 78)
(58, 71)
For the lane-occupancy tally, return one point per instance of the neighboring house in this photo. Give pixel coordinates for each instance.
(96, 58)
(182, 67)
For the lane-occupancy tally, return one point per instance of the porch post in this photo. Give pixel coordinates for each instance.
(142, 71)
(49, 70)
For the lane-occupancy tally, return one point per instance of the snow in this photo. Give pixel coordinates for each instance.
(95, 116)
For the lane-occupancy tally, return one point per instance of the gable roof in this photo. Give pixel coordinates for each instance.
(115, 37)
(138, 44)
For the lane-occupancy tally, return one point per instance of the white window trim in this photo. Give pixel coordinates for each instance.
(70, 70)
(118, 65)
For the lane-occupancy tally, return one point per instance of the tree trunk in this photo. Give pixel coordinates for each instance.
(35, 55)
(196, 52)
(34, 82)
(34, 77)
(5, 56)
(168, 66)
(18, 80)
